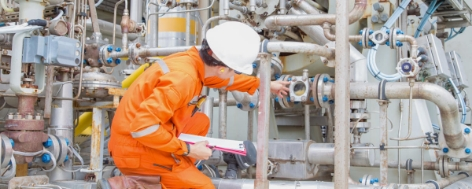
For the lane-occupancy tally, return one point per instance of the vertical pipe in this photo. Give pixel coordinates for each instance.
(48, 91)
(283, 7)
(62, 125)
(187, 24)
(341, 108)
(136, 10)
(96, 153)
(226, 7)
(204, 16)
(252, 5)
(383, 142)
(222, 115)
(250, 125)
(93, 16)
(307, 122)
(261, 181)
(152, 26)
(207, 109)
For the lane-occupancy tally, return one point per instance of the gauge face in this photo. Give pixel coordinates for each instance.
(299, 89)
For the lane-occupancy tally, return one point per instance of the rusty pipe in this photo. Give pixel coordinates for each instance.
(434, 93)
(356, 13)
(299, 47)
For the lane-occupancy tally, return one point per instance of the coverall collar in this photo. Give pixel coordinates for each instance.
(193, 52)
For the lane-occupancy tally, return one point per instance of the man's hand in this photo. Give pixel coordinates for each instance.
(200, 151)
(279, 88)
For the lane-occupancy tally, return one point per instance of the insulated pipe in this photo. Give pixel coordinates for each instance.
(299, 47)
(223, 113)
(356, 13)
(383, 106)
(248, 184)
(436, 184)
(434, 93)
(93, 16)
(261, 181)
(136, 10)
(342, 105)
(107, 29)
(152, 34)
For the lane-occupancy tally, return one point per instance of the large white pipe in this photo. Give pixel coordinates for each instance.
(442, 98)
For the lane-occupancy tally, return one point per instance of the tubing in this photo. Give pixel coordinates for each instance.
(434, 93)
(59, 15)
(299, 47)
(249, 184)
(461, 100)
(85, 124)
(356, 13)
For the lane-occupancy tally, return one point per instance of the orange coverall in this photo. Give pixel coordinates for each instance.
(156, 108)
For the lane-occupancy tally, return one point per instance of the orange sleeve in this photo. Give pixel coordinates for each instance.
(172, 92)
(243, 83)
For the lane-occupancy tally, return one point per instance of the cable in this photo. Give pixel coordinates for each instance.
(461, 100)
(431, 9)
(76, 154)
(456, 33)
(28, 153)
(53, 159)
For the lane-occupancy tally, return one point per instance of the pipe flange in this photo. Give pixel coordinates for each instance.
(134, 54)
(329, 62)
(365, 38)
(58, 148)
(443, 163)
(393, 37)
(105, 56)
(366, 180)
(323, 90)
(379, 37)
(299, 88)
(277, 67)
(314, 95)
(7, 150)
(408, 67)
(245, 101)
(287, 101)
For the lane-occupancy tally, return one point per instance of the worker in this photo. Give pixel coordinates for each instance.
(158, 106)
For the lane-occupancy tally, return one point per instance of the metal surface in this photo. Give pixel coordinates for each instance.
(96, 154)
(207, 109)
(443, 99)
(223, 94)
(298, 47)
(456, 67)
(248, 184)
(383, 106)
(250, 125)
(437, 67)
(261, 181)
(55, 50)
(307, 122)
(95, 84)
(342, 97)
(356, 13)
(152, 34)
(464, 183)
(291, 159)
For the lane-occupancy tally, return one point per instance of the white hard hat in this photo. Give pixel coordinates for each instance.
(235, 44)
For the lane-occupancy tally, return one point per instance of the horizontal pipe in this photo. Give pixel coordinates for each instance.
(330, 36)
(441, 183)
(299, 47)
(356, 13)
(434, 93)
(249, 184)
(107, 29)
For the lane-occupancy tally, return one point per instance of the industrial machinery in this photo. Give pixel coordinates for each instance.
(378, 90)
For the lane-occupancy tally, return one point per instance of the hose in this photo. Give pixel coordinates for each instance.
(432, 7)
(461, 100)
(61, 12)
(53, 159)
(371, 64)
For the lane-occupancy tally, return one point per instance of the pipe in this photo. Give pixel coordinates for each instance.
(307, 122)
(114, 19)
(283, 7)
(342, 77)
(48, 91)
(440, 183)
(300, 47)
(152, 34)
(252, 5)
(212, 19)
(187, 25)
(332, 37)
(413, 44)
(93, 16)
(383, 106)
(434, 93)
(5, 7)
(241, 9)
(261, 181)
(207, 109)
(250, 125)
(463, 183)
(356, 13)
(136, 10)
(107, 29)
(248, 184)
(223, 113)
(225, 7)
